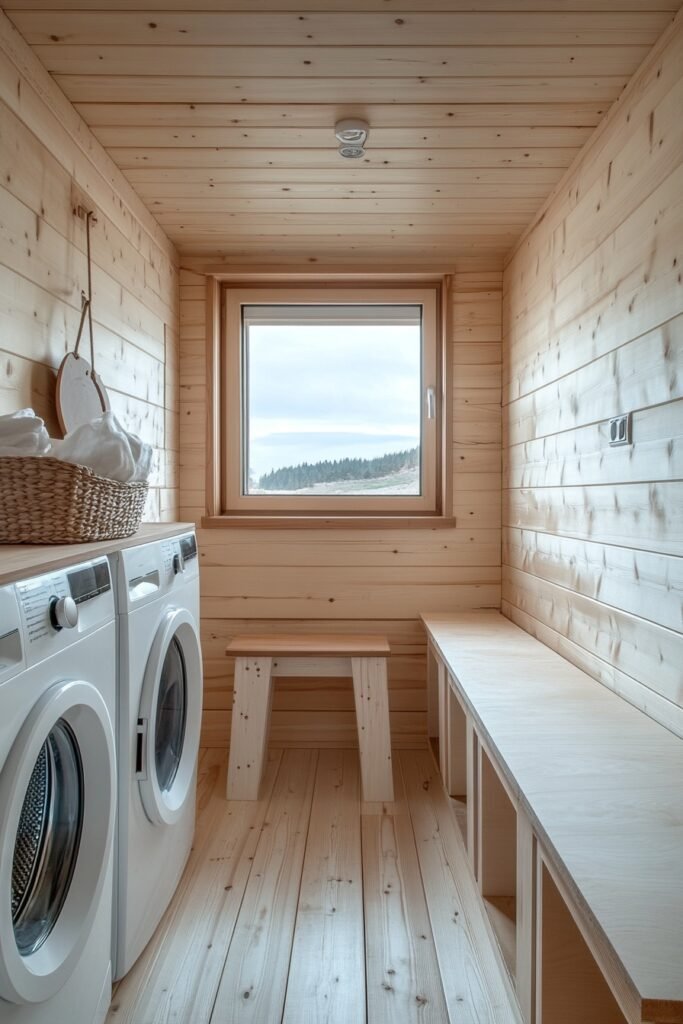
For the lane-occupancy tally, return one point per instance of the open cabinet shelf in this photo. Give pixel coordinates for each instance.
(571, 986)
(449, 742)
(502, 915)
(497, 857)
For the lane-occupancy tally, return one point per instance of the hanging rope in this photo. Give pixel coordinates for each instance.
(87, 238)
(87, 299)
(85, 304)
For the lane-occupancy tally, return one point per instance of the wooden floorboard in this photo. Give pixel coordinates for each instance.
(309, 906)
(476, 988)
(177, 976)
(254, 982)
(403, 981)
(326, 971)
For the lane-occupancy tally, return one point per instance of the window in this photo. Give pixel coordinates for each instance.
(331, 401)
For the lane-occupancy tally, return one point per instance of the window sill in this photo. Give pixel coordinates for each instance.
(323, 522)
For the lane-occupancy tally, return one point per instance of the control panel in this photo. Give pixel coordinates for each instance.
(146, 571)
(58, 608)
(37, 597)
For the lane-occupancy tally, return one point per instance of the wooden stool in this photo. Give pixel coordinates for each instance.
(260, 658)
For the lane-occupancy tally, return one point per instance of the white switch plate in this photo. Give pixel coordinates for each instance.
(620, 430)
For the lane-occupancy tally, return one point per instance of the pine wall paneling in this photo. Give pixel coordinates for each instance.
(48, 158)
(350, 580)
(593, 327)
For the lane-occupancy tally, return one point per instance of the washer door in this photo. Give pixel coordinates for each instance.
(169, 719)
(57, 808)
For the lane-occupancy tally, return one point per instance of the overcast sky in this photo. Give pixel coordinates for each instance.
(319, 392)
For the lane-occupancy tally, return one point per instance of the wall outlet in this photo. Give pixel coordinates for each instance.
(620, 430)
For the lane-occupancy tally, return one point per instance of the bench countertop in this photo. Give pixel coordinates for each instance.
(600, 781)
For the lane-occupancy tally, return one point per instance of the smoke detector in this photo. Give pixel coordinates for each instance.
(352, 134)
(351, 152)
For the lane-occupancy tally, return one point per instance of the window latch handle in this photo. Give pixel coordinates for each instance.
(431, 403)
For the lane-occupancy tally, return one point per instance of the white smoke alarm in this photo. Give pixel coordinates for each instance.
(352, 134)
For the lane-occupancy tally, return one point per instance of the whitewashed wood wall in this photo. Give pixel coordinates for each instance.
(46, 150)
(351, 580)
(593, 327)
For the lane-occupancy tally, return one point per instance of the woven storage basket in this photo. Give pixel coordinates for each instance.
(47, 501)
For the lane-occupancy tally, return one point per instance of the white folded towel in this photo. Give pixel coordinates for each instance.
(23, 433)
(105, 447)
(22, 418)
(142, 456)
(102, 445)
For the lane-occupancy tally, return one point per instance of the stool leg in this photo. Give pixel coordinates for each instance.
(251, 700)
(374, 735)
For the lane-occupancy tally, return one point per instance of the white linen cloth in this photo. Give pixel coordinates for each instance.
(105, 447)
(23, 433)
(142, 456)
(102, 445)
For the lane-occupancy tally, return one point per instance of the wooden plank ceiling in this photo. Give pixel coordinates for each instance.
(223, 117)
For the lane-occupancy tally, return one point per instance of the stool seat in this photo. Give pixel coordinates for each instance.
(324, 645)
(259, 658)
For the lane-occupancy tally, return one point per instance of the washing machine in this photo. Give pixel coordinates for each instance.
(57, 795)
(159, 707)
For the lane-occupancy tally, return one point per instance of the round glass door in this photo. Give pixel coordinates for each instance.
(170, 718)
(57, 808)
(171, 714)
(47, 839)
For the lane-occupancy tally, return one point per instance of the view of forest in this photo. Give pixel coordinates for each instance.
(306, 475)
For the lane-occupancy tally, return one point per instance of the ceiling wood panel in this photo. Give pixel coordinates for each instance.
(223, 118)
(359, 90)
(411, 139)
(328, 207)
(432, 224)
(257, 195)
(348, 250)
(539, 6)
(315, 28)
(340, 61)
(321, 115)
(345, 174)
(287, 158)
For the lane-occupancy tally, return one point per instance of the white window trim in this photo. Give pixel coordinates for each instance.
(233, 501)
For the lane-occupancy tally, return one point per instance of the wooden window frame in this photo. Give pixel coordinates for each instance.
(225, 506)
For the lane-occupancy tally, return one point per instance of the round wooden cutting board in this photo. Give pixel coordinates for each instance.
(81, 395)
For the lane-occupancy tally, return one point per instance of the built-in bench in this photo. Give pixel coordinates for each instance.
(571, 805)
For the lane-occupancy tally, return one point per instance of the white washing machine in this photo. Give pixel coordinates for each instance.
(57, 795)
(158, 725)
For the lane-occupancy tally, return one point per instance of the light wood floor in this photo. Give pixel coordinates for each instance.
(310, 907)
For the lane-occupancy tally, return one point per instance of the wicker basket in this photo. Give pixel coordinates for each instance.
(47, 501)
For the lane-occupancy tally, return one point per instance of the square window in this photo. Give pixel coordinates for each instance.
(331, 400)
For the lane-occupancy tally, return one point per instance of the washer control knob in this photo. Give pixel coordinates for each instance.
(178, 564)
(63, 613)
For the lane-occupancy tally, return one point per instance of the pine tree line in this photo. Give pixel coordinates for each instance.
(306, 474)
